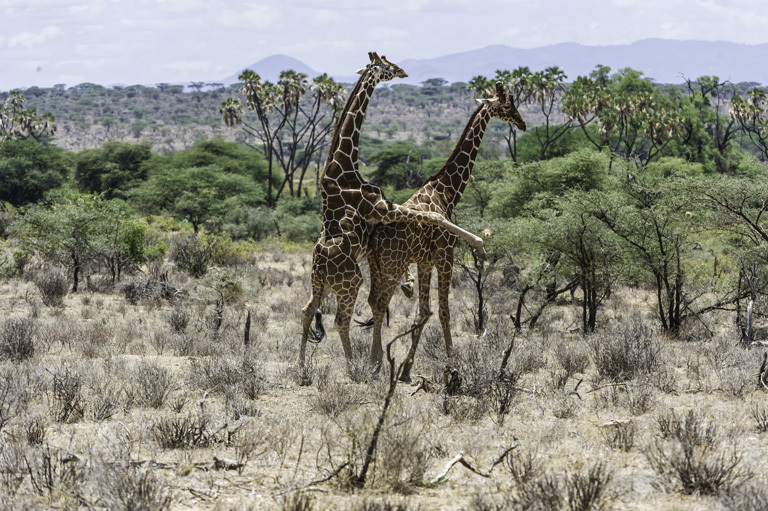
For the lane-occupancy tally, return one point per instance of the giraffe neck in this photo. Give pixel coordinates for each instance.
(343, 151)
(453, 177)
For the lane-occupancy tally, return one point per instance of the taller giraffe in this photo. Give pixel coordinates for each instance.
(396, 245)
(351, 207)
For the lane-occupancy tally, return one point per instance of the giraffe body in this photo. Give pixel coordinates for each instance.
(394, 246)
(351, 208)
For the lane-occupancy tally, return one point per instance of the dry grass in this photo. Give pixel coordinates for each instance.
(126, 397)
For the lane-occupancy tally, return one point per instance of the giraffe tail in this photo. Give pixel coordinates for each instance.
(317, 334)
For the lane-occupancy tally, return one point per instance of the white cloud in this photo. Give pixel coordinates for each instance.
(33, 39)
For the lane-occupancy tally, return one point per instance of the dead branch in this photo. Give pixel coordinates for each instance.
(607, 385)
(575, 391)
(358, 480)
(459, 459)
(508, 352)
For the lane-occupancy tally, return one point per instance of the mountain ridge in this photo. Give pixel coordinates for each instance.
(663, 60)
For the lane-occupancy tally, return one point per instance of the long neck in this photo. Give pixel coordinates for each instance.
(343, 152)
(453, 177)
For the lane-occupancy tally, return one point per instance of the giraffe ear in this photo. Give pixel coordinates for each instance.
(360, 71)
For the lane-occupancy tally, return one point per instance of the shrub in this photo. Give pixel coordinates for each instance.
(53, 286)
(16, 339)
(626, 352)
(151, 385)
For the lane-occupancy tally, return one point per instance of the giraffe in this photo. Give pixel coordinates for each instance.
(395, 245)
(351, 207)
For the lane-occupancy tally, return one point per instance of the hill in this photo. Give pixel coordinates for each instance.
(663, 60)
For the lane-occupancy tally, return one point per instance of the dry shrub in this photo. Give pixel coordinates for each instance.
(688, 461)
(250, 441)
(105, 402)
(17, 339)
(751, 497)
(151, 385)
(149, 289)
(760, 414)
(573, 358)
(186, 432)
(619, 435)
(14, 398)
(131, 488)
(373, 504)
(67, 394)
(690, 428)
(53, 285)
(627, 351)
(232, 376)
(298, 501)
(178, 318)
(333, 399)
(402, 457)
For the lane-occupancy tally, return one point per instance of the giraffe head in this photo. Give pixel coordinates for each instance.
(502, 106)
(383, 69)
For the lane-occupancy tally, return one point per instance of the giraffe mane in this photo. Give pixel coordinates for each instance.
(469, 125)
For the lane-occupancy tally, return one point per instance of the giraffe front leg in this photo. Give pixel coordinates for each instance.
(378, 299)
(425, 275)
(444, 272)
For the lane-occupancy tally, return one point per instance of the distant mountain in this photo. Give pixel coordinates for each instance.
(663, 60)
(269, 68)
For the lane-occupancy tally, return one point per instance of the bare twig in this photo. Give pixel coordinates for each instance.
(508, 352)
(607, 385)
(459, 459)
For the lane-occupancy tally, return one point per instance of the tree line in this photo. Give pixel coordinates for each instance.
(622, 182)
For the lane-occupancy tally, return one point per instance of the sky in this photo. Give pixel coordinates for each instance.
(108, 42)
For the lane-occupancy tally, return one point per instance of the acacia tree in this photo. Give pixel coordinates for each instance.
(291, 127)
(75, 229)
(17, 122)
(648, 217)
(707, 125)
(752, 115)
(739, 210)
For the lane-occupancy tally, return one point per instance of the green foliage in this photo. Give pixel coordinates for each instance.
(28, 170)
(529, 146)
(113, 169)
(74, 229)
(538, 184)
(399, 165)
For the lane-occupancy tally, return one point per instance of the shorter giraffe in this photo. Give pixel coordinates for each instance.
(351, 207)
(396, 245)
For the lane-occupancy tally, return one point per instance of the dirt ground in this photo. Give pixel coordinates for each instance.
(147, 405)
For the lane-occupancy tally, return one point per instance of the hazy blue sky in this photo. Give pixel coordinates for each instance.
(44, 42)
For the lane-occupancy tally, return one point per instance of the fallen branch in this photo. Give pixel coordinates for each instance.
(459, 459)
(607, 385)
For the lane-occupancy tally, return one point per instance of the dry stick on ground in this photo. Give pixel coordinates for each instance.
(359, 479)
(459, 459)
